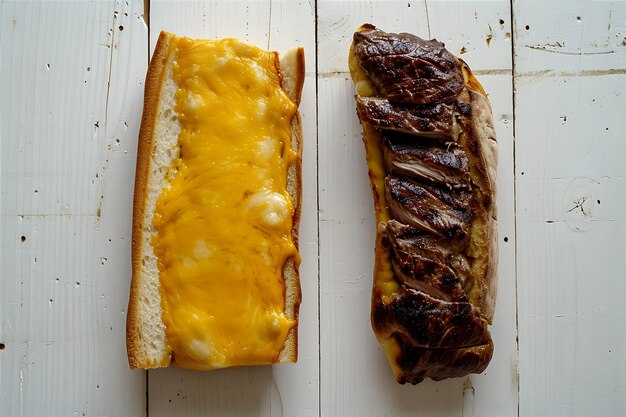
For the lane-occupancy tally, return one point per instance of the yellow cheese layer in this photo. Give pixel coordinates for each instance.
(384, 280)
(223, 224)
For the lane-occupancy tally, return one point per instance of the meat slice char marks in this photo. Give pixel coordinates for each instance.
(424, 262)
(418, 159)
(439, 333)
(430, 198)
(432, 323)
(437, 339)
(418, 363)
(433, 209)
(408, 69)
(437, 120)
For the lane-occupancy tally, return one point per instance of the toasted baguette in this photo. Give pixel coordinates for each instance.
(145, 332)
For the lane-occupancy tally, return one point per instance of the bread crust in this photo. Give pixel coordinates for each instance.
(137, 357)
(292, 70)
(291, 270)
(481, 138)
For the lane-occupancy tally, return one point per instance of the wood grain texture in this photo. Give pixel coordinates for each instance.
(254, 391)
(71, 77)
(356, 379)
(570, 83)
(67, 132)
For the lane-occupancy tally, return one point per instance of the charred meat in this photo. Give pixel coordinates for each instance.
(432, 137)
(408, 69)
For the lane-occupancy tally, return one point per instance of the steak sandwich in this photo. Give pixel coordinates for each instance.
(431, 154)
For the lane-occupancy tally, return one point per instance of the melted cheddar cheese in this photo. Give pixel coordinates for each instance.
(385, 282)
(223, 223)
(362, 83)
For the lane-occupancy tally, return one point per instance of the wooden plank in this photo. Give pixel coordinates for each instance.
(254, 391)
(68, 133)
(570, 77)
(356, 379)
(68, 129)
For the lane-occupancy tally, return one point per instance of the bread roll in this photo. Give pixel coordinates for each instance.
(215, 279)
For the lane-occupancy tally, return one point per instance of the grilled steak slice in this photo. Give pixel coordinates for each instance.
(430, 120)
(431, 323)
(426, 274)
(431, 209)
(404, 155)
(425, 263)
(407, 69)
(417, 363)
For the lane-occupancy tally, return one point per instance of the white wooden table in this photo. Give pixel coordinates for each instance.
(71, 84)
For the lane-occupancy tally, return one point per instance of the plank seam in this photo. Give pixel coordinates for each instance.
(515, 247)
(146, 21)
(112, 47)
(317, 169)
(147, 395)
(427, 18)
(269, 27)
